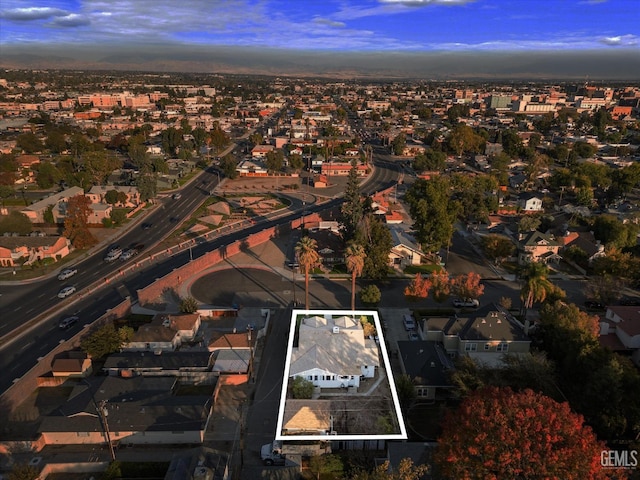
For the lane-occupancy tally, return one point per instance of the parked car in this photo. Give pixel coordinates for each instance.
(68, 322)
(67, 273)
(465, 303)
(177, 196)
(413, 336)
(66, 291)
(409, 323)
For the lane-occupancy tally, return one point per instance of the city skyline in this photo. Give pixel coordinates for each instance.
(440, 38)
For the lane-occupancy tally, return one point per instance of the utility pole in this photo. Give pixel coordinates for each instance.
(103, 412)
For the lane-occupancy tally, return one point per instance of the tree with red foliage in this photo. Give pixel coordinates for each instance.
(497, 433)
(418, 288)
(76, 228)
(467, 286)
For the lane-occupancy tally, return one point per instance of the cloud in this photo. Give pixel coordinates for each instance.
(331, 23)
(32, 13)
(71, 20)
(620, 41)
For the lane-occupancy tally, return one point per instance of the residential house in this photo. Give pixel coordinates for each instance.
(71, 365)
(536, 246)
(58, 202)
(427, 364)
(261, 151)
(252, 168)
(484, 335)
(405, 250)
(18, 250)
(98, 193)
(164, 333)
(133, 407)
(620, 330)
(530, 202)
(333, 352)
(342, 169)
(586, 242)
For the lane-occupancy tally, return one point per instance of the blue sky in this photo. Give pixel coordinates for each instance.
(334, 25)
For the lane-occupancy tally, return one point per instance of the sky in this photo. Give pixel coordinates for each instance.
(332, 34)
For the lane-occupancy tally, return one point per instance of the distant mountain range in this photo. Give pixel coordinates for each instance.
(616, 64)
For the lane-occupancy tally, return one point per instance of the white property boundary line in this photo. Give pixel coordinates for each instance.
(387, 365)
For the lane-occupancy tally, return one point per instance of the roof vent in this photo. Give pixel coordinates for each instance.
(336, 329)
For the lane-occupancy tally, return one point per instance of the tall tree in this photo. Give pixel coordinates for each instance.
(354, 256)
(433, 212)
(308, 257)
(377, 241)
(497, 433)
(352, 210)
(536, 286)
(76, 228)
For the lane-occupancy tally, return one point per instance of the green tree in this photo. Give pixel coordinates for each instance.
(354, 257)
(188, 305)
(352, 209)
(29, 143)
(497, 247)
(171, 139)
(612, 232)
(529, 223)
(296, 162)
(47, 175)
(23, 471)
(111, 197)
(15, 222)
(301, 388)
(430, 160)
(228, 164)
(275, 160)
(498, 433)
(406, 391)
(76, 228)
(308, 257)
(6, 191)
(8, 169)
(511, 143)
(328, 464)
(433, 212)
(105, 340)
(405, 471)
(370, 295)
(398, 144)
(377, 241)
(55, 141)
(118, 216)
(463, 139)
(147, 185)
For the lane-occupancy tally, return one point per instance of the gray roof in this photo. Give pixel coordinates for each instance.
(55, 198)
(425, 362)
(232, 360)
(180, 360)
(489, 322)
(133, 404)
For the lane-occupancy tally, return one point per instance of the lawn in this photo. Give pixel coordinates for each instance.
(426, 268)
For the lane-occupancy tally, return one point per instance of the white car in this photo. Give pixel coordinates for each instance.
(466, 303)
(127, 254)
(66, 291)
(67, 273)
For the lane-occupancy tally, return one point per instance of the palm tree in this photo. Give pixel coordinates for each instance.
(306, 250)
(537, 286)
(354, 256)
